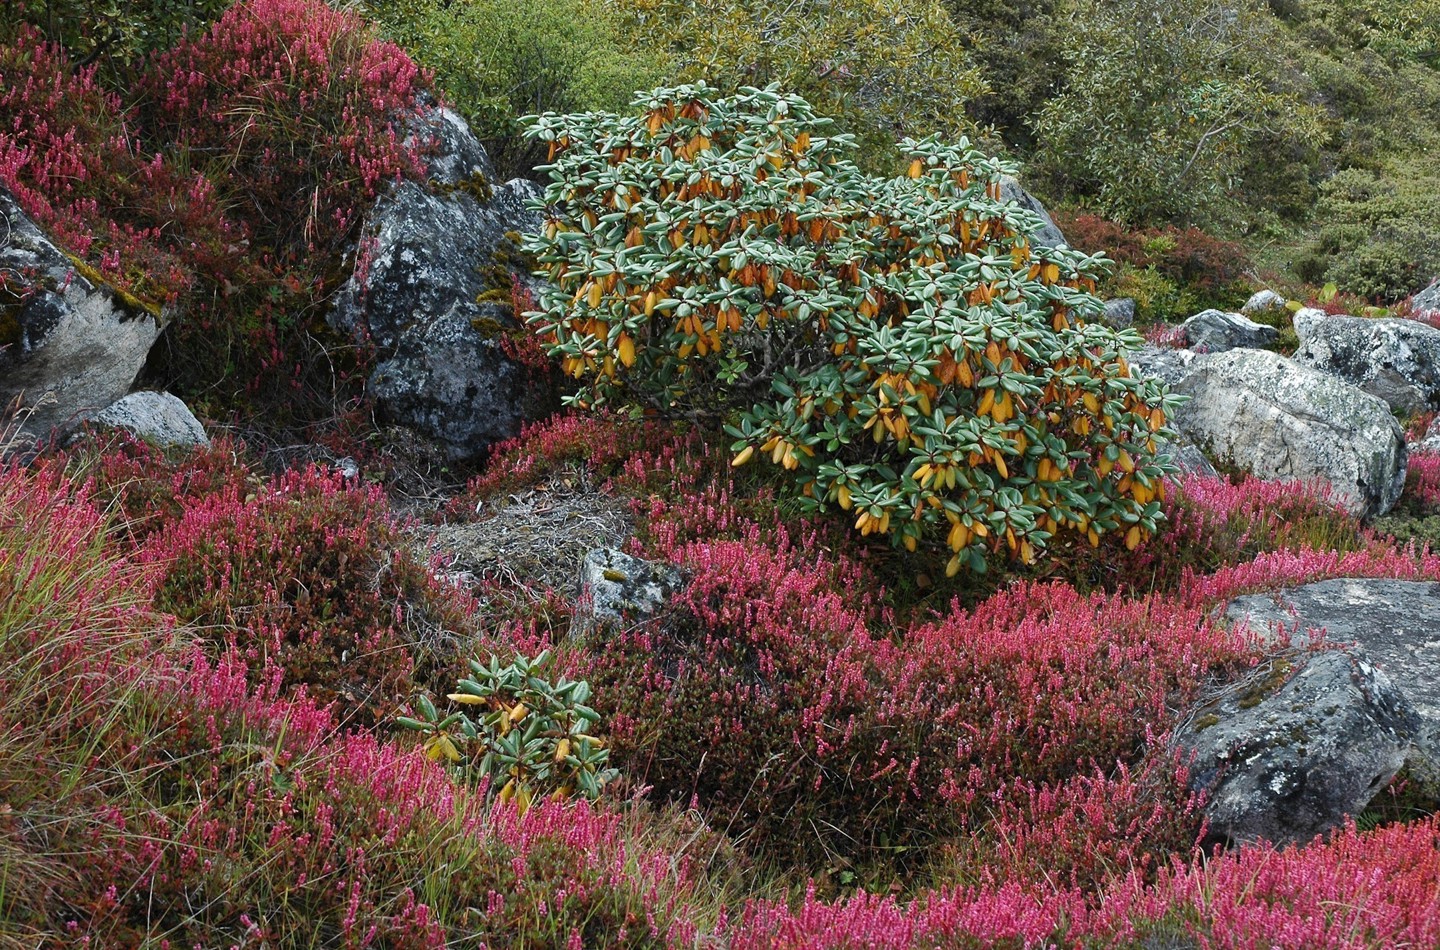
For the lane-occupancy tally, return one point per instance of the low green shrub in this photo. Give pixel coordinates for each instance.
(495, 61)
(530, 736)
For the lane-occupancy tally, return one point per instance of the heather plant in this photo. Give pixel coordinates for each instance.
(531, 736)
(308, 579)
(296, 112)
(928, 370)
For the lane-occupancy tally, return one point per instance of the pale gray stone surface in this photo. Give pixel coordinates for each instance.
(70, 348)
(155, 417)
(1396, 360)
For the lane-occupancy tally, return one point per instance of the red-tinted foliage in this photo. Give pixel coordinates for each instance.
(770, 699)
(1188, 256)
(148, 488)
(68, 156)
(229, 193)
(1422, 481)
(308, 579)
(1357, 891)
(297, 108)
(545, 448)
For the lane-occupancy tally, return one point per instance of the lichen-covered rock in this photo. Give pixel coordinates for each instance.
(1263, 301)
(1048, 235)
(1395, 623)
(1120, 313)
(67, 346)
(1169, 366)
(1396, 360)
(615, 587)
(1214, 331)
(431, 292)
(155, 417)
(1262, 413)
(1287, 753)
(1427, 302)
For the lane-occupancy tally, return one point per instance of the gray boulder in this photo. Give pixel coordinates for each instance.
(1260, 412)
(1167, 365)
(1396, 624)
(615, 587)
(431, 292)
(1427, 301)
(1213, 331)
(1120, 313)
(1048, 236)
(1287, 753)
(1263, 301)
(67, 346)
(1396, 360)
(1190, 459)
(155, 417)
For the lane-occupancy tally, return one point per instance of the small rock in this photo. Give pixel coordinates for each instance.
(155, 417)
(1427, 301)
(1214, 331)
(1120, 313)
(1264, 301)
(617, 587)
(1288, 753)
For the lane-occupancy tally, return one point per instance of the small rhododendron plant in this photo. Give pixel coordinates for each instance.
(532, 736)
(901, 345)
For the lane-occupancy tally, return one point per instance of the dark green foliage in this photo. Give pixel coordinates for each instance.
(496, 60)
(117, 34)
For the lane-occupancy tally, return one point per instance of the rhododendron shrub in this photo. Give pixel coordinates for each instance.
(308, 576)
(900, 346)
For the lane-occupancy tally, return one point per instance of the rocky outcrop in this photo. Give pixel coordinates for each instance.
(1048, 235)
(431, 292)
(1214, 331)
(68, 347)
(1262, 413)
(1287, 753)
(155, 417)
(1396, 360)
(615, 587)
(1393, 624)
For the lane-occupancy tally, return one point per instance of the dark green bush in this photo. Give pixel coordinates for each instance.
(496, 60)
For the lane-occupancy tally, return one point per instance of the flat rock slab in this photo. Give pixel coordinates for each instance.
(1395, 623)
